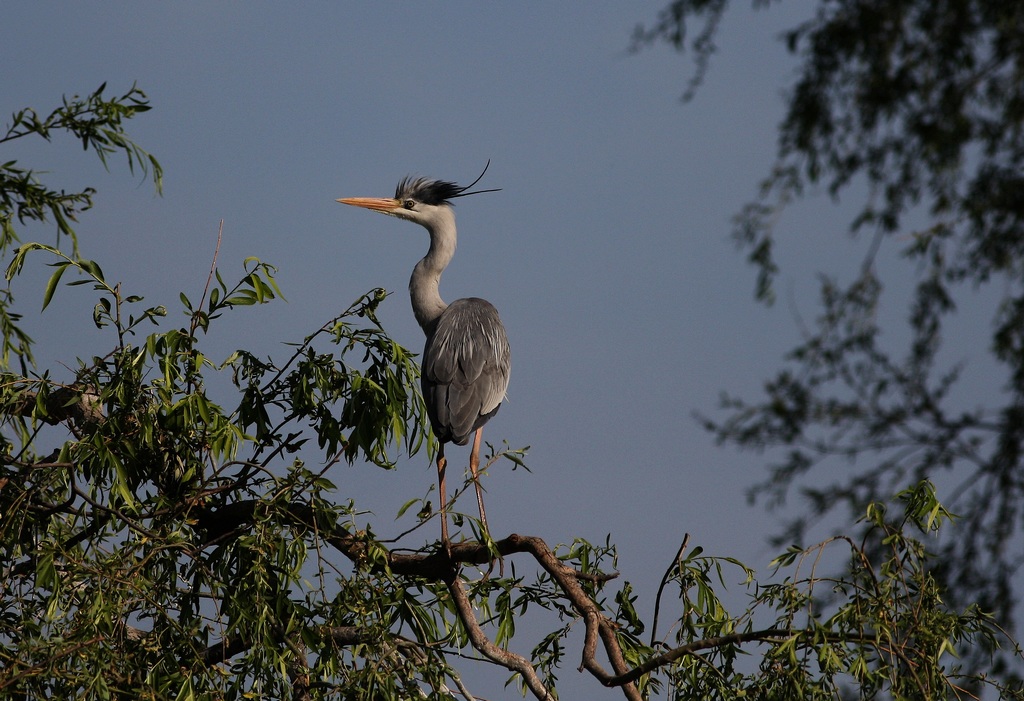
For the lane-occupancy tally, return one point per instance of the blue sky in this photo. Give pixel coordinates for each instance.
(606, 251)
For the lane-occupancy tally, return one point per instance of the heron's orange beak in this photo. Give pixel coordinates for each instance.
(377, 204)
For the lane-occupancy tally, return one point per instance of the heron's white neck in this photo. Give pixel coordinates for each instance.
(427, 304)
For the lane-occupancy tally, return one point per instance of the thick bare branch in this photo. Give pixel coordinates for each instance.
(341, 636)
(77, 405)
(488, 649)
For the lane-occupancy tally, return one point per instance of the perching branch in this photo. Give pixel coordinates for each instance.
(232, 519)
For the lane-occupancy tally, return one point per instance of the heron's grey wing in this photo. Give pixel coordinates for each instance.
(466, 366)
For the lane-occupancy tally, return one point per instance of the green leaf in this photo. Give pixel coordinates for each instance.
(51, 285)
(243, 298)
(406, 506)
(101, 312)
(92, 268)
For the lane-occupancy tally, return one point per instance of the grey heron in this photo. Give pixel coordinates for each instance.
(466, 360)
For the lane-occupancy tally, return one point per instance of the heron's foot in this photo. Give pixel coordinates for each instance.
(446, 543)
(490, 568)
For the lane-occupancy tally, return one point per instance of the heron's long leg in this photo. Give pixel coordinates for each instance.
(442, 463)
(474, 467)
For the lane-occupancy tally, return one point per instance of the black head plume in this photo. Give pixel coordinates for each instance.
(436, 192)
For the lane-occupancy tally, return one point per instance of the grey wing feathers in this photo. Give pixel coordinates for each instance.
(466, 365)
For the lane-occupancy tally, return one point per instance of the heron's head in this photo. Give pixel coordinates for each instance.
(420, 200)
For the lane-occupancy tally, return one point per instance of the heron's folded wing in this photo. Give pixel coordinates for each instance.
(466, 366)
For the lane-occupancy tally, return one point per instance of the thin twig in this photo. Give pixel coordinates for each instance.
(209, 278)
(676, 564)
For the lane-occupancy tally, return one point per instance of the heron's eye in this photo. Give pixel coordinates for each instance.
(409, 204)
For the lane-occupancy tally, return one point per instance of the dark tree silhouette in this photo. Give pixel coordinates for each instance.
(922, 101)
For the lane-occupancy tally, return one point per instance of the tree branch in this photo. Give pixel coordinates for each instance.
(231, 520)
(80, 406)
(480, 641)
(664, 581)
(694, 647)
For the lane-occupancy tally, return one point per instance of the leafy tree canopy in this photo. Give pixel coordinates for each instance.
(159, 543)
